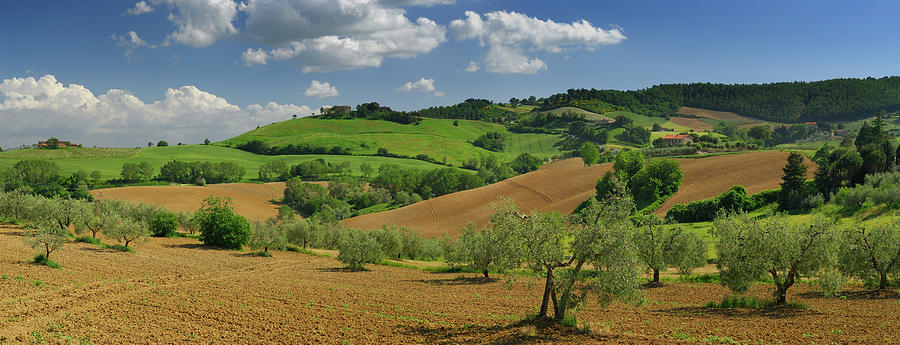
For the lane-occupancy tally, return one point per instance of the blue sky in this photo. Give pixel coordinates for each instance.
(192, 69)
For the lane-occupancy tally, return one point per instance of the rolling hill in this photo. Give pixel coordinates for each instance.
(437, 138)
(562, 185)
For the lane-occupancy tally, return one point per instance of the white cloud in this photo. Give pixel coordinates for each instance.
(35, 109)
(421, 85)
(130, 41)
(254, 57)
(140, 7)
(439, 94)
(426, 3)
(503, 59)
(201, 22)
(319, 89)
(323, 36)
(473, 67)
(507, 33)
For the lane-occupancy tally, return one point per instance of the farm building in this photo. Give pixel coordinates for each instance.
(338, 109)
(677, 140)
(44, 144)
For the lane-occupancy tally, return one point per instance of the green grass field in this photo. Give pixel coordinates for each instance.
(110, 164)
(437, 138)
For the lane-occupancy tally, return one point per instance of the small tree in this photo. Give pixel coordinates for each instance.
(65, 212)
(413, 243)
(219, 226)
(164, 224)
(187, 221)
(660, 247)
(367, 170)
(125, 228)
(93, 219)
(162, 143)
(590, 154)
(267, 235)
(750, 249)
(792, 182)
(390, 241)
(628, 163)
(48, 238)
(872, 254)
(489, 249)
(358, 248)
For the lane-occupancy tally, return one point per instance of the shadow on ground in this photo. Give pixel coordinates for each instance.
(522, 332)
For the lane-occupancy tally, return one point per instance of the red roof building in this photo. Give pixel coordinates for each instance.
(677, 140)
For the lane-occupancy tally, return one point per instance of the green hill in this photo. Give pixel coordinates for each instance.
(437, 138)
(109, 161)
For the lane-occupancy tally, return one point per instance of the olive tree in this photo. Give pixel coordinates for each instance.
(871, 254)
(48, 237)
(390, 241)
(125, 229)
(357, 248)
(66, 212)
(485, 250)
(661, 247)
(750, 249)
(267, 235)
(93, 218)
(187, 221)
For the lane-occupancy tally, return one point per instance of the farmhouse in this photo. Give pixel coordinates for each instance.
(44, 144)
(677, 140)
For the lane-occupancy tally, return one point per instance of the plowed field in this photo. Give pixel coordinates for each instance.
(251, 200)
(563, 185)
(716, 115)
(696, 124)
(175, 291)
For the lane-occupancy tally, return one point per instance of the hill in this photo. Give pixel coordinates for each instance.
(437, 138)
(563, 185)
(109, 161)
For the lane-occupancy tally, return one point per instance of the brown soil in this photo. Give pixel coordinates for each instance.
(707, 177)
(558, 186)
(251, 200)
(176, 291)
(716, 115)
(696, 124)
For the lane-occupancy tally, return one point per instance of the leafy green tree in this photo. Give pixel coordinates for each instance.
(267, 235)
(357, 248)
(164, 224)
(658, 179)
(628, 163)
(590, 154)
(65, 212)
(390, 241)
(367, 170)
(872, 254)
(93, 218)
(413, 243)
(303, 232)
(660, 247)
(205, 141)
(162, 143)
(842, 168)
(750, 249)
(491, 249)
(792, 182)
(220, 226)
(761, 133)
(275, 170)
(52, 143)
(526, 162)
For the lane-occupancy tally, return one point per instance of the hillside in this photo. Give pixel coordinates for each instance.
(563, 185)
(437, 138)
(109, 161)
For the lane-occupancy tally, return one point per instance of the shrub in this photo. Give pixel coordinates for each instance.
(220, 226)
(164, 225)
(358, 248)
(491, 141)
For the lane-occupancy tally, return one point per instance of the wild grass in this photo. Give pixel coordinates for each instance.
(42, 259)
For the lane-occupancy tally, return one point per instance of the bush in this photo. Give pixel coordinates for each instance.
(491, 141)
(358, 248)
(164, 225)
(219, 226)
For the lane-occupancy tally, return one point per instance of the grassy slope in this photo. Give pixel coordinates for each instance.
(110, 164)
(436, 138)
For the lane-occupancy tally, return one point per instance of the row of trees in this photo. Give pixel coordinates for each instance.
(43, 177)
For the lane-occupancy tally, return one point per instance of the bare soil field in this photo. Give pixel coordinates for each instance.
(563, 185)
(707, 177)
(172, 290)
(696, 124)
(559, 186)
(251, 200)
(716, 115)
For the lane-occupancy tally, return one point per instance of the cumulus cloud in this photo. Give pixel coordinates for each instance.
(35, 109)
(130, 41)
(319, 89)
(426, 3)
(140, 7)
(421, 85)
(322, 36)
(507, 33)
(254, 57)
(503, 59)
(473, 67)
(201, 22)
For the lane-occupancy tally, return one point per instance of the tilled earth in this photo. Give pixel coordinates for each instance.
(176, 291)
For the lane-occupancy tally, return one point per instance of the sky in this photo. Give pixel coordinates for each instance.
(123, 73)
